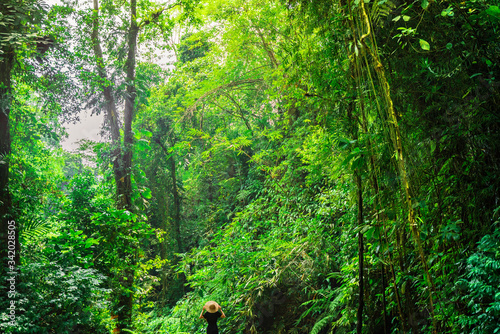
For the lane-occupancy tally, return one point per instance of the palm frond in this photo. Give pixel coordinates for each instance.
(33, 230)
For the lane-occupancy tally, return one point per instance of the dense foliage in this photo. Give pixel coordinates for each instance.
(313, 166)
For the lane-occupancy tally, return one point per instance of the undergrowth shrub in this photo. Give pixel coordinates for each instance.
(54, 299)
(482, 286)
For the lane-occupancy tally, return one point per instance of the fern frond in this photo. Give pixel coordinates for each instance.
(243, 194)
(320, 324)
(446, 69)
(380, 10)
(34, 229)
(336, 302)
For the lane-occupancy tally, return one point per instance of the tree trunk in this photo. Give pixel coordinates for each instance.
(6, 221)
(361, 302)
(125, 302)
(129, 107)
(176, 216)
(178, 283)
(110, 106)
(5, 102)
(177, 205)
(122, 158)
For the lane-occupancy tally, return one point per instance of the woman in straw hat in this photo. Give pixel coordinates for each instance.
(213, 312)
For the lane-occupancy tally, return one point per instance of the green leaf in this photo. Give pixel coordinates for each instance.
(91, 241)
(493, 11)
(147, 194)
(424, 45)
(447, 12)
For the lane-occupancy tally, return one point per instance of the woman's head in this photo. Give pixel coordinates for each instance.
(211, 306)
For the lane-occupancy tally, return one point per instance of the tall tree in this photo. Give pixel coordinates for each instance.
(17, 28)
(121, 153)
(122, 148)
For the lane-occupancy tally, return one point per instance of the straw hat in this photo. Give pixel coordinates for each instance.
(211, 306)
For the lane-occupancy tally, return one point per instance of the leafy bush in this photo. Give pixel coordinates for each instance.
(53, 299)
(482, 283)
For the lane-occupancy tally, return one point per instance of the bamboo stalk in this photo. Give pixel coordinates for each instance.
(398, 149)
